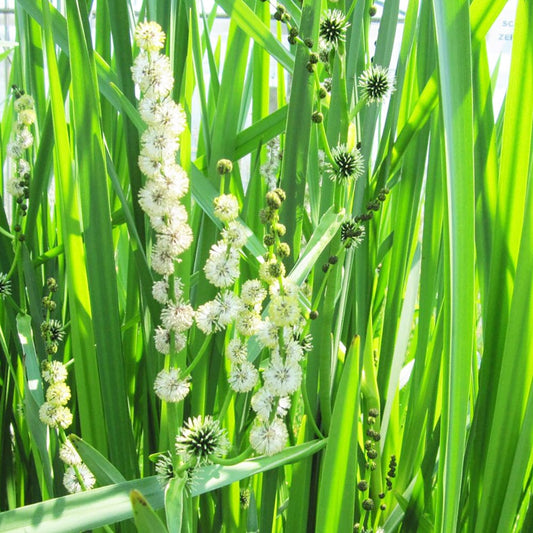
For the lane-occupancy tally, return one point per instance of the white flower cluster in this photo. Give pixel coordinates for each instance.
(166, 184)
(222, 266)
(270, 169)
(17, 185)
(281, 333)
(54, 411)
(77, 477)
(222, 270)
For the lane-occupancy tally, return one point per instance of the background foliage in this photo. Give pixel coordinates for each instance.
(439, 290)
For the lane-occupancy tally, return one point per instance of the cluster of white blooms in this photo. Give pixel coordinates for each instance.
(281, 331)
(54, 411)
(222, 270)
(17, 184)
(270, 169)
(282, 334)
(222, 266)
(77, 477)
(166, 184)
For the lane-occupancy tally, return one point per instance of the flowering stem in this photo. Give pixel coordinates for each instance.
(234, 460)
(320, 293)
(322, 129)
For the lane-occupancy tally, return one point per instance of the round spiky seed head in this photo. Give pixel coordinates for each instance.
(244, 498)
(291, 39)
(201, 438)
(273, 200)
(382, 197)
(293, 32)
(373, 412)
(381, 495)
(348, 164)
(224, 166)
(269, 240)
(309, 43)
(383, 507)
(17, 228)
(51, 284)
(5, 285)
(352, 233)
(368, 504)
(310, 67)
(317, 117)
(368, 444)
(22, 237)
(362, 485)
(376, 83)
(322, 93)
(372, 11)
(313, 58)
(325, 267)
(313, 315)
(332, 29)
(333, 259)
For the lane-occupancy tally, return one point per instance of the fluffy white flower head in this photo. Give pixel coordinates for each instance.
(243, 376)
(149, 36)
(72, 483)
(226, 207)
(170, 387)
(269, 438)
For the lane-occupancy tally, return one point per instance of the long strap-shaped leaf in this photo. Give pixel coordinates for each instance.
(107, 505)
(454, 55)
(91, 175)
(89, 399)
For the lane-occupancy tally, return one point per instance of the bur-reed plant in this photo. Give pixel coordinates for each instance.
(228, 307)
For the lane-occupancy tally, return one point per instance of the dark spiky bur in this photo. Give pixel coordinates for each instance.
(164, 469)
(332, 30)
(347, 164)
(201, 439)
(5, 286)
(352, 233)
(376, 83)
